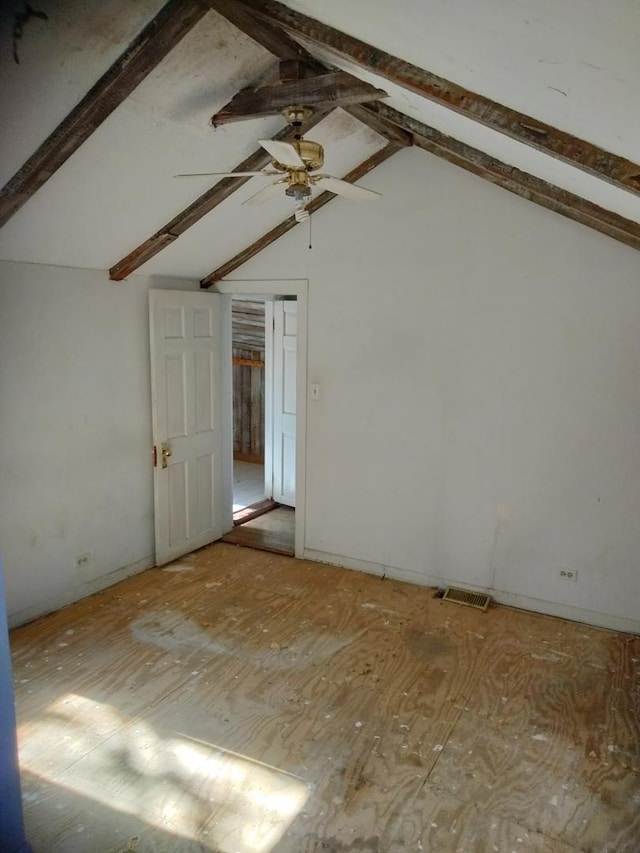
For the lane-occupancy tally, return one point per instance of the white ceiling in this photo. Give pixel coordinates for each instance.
(498, 145)
(60, 60)
(574, 65)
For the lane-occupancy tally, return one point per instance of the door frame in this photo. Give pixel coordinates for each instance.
(270, 362)
(266, 288)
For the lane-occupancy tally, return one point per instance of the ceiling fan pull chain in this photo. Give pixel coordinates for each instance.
(310, 246)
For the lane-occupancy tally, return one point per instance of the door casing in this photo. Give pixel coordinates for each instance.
(278, 287)
(275, 324)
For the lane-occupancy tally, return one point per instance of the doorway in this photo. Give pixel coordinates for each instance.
(248, 381)
(192, 413)
(264, 393)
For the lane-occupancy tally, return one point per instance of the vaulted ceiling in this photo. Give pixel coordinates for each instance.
(104, 102)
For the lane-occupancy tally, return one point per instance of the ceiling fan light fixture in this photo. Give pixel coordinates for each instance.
(300, 192)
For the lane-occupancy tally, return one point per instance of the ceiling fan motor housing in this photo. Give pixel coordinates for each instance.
(311, 154)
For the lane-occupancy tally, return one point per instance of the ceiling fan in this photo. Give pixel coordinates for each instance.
(295, 164)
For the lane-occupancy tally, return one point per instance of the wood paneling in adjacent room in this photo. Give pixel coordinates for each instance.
(248, 344)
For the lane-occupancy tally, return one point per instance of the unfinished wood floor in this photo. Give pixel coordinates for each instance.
(275, 531)
(244, 702)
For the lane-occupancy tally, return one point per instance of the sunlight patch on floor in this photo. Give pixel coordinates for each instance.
(193, 789)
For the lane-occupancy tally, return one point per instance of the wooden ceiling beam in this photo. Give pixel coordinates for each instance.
(319, 201)
(530, 131)
(147, 50)
(288, 51)
(324, 91)
(201, 206)
(514, 180)
(271, 38)
(381, 125)
(281, 45)
(297, 69)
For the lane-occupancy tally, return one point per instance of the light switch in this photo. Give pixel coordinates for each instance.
(315, 392)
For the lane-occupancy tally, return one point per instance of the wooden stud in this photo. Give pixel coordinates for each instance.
(543, 137)
(148, 49)
(319, 201)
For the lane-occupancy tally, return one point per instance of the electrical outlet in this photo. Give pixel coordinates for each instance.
(82, 560)
(568, 574)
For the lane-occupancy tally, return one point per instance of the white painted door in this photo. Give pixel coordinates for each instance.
(285, 320)
(187, 420)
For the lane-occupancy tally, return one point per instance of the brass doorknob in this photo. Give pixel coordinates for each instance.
(166, 453)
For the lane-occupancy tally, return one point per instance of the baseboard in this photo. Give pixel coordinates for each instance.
(78, 592)
(521, 602)
(567, 611)
(248, 457)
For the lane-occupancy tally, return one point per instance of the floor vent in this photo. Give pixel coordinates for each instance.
(480, 600)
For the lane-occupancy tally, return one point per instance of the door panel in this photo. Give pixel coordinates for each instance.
(205, 383)
(176, 395)
(284, 401)
(186, 384)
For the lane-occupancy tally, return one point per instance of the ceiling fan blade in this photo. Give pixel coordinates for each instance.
(266, 193)
(344, 188)
(225, 174)
(283, 152)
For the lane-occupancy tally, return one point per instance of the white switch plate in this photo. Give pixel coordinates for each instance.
(315, 392)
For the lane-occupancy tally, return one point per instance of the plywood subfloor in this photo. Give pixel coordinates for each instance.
(274, 531)
(244, 702)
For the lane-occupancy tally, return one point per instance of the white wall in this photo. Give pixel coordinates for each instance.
(479, 420)
(75, 427)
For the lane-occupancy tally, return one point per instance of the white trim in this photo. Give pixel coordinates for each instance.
(279, 287)
(285, 287)
(522, 602)
(301, 421)
(79, 592)
(268, 399)
(226, 401)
